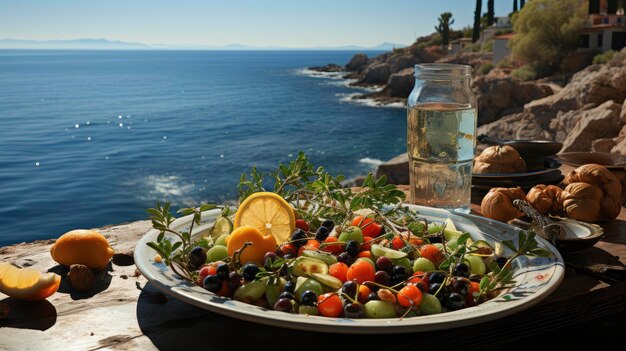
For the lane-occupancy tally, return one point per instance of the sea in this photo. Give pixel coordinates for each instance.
(92, 138)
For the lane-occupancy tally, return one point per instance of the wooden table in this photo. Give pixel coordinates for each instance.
(126, 313)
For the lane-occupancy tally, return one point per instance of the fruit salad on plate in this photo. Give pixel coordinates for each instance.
(311, 246)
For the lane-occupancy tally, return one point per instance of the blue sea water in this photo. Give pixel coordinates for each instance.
(90, 138)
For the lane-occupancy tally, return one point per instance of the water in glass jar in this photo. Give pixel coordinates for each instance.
(441, 141)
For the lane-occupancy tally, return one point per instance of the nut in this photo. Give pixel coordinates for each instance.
(81, 277)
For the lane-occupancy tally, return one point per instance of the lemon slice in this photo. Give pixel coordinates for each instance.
(27, 283)
(269, 213)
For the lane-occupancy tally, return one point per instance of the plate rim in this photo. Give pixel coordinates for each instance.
(201, 298)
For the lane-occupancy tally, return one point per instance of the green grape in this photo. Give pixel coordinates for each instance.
(221, 240)
(308, 284)
(379, 309)
(434, 228)
(251, 291)
(216, 253)
(430, 304)
(423, 264)
(476, 264)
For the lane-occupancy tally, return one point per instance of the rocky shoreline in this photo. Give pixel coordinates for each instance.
(587, 113)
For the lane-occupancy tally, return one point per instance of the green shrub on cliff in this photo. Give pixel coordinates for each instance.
(546, 31)
(486, 68)
(604, 57)
(524, 73)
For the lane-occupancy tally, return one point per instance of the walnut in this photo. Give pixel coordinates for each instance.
(498, 204)
(592, 194)
(81, 277)
(545, 199)
(499, 159)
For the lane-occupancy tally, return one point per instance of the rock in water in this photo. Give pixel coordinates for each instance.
(400, 84)
(356, 62)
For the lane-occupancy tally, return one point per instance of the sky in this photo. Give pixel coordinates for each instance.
(288, 23)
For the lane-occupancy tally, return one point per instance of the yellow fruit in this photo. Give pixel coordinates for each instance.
(27, 283)
(86, 247)
(260, 244)
(269, 213)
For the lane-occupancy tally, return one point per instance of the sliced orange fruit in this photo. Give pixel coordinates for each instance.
(27, 283)
(269, 213)
(259, 244)
(87, 247)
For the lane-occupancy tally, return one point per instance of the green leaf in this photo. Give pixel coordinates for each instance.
(484, 283)
(176, 245)
(461, 240)
(510, 245)
(160, 236)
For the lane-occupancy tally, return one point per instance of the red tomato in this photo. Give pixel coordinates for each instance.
(366, 254)
(367, 245)
(368, 226)
(432, 253)
(473, 288)
(329, 305)
(285, 249)
(302, 224)
(339, 270)
(310, 245)
(331, 245)
(364, 291)
(409, 296)
(361, 271)
(397, 243)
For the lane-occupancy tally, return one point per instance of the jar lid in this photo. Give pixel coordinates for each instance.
(442, 70)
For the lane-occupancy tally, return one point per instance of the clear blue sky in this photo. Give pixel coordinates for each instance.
(291, 23)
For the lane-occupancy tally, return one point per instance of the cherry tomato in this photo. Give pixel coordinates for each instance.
(473, 288)
(420, 280)
(364, 291)
(310, 245)
(409, 296)
(432, 253)
(302, 224)
(366, 254)
(225, 290)
(368, 226)
(331, 245)
(285, 249)
(329, 305)
(361, 271)
(367, 245)
(397, 243)
(339, 270)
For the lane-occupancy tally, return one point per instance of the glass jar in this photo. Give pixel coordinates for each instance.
(441, 136)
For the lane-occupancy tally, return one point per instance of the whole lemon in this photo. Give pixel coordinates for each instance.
(87, 247)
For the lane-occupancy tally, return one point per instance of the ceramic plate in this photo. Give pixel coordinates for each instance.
(536, 278)
(608, 160)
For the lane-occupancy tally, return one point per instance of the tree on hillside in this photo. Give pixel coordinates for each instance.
(521, 4)
(490, 12)
(477, 15)
(514, 6)
(546, 31)
(445, 21)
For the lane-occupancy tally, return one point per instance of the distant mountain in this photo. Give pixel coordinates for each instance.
(81, 44)
(105, 44)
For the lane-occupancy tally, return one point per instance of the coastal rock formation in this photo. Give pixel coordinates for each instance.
(396, 170)
(503, 95)
(587, 114)
(592, 86)
(331, 67)
(515, 126)
(377, 73)
(357, 61)
(593, 124)
(400, 84)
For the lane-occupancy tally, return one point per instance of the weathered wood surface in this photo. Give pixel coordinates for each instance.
(121, 316)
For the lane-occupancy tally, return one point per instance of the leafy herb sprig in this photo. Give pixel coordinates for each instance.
(502, 278)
